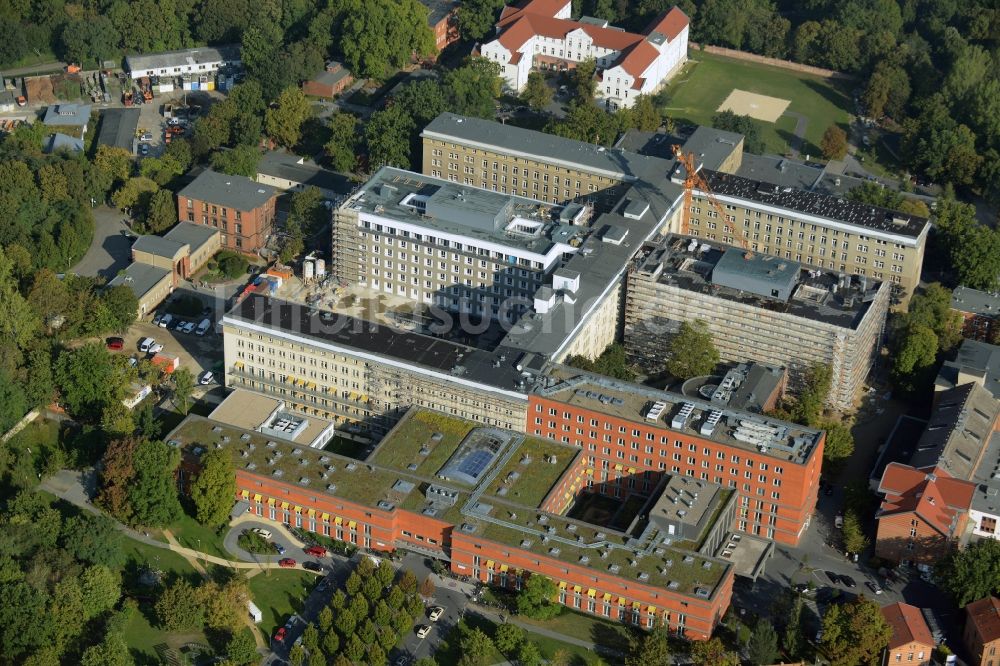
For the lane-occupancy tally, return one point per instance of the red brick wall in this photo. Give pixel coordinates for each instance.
(798, 483)
(254, 226)
(700, 616)
(911, 650)
(894, 535)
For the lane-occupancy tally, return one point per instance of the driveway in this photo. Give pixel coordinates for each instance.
(448, 594)
(110, 251)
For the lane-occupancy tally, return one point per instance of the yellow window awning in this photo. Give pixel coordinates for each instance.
(245, 494)
(562, 585)
(297, 509)
(591, 592)
(284, 505)
(325, 517)
(636, 605)
(352, 524)
(238, 365)
(270, 500)
(338, 521)
(504, 567)
(577, 589)
(631, 470)
(607, 596)
(590, 471)
(619, 468)
(257, 497)
(651, 610)
(621, 601)
(489, 564)
(311, 512)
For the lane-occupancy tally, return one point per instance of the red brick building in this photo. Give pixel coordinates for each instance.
(386, 503)
(777, 480)
(911, 641)
(982, 631)
(443, 21)
(241, 209)
(330, 82)
(923, 513)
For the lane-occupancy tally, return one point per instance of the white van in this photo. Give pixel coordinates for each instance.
(145, 344)
(166, 320)
(203, 327)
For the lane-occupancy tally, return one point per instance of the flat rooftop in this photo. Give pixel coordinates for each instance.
(140, 278)
(286, 166)
(475, 512)
(118, 128)
(974, 361)
(250, 411)
(824, 206)
(443, 206)
(632, 402)
(813, 295)
(492, 369)
(183, 58)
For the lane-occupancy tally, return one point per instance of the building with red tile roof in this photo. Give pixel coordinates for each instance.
(923, 514)
(911, 641)
(628, 64)
(982, 631)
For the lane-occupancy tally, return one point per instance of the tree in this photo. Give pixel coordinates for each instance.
(528, 654)
(101, 589)
(586, 122)
(376, 37)
(507, 637)
(88, 379)
(183, 388)
(473, 88)
(536, 94)
(855, 540)
(535, 598)
(745, 125)
(114, 165)
(712, 653)
(834, 143)
(691, 351)
(354, 649)
(808, 407)
(18, 323)
(887, 91)
(839, 441)
(152, 492)
(763, 645)
(284, 120)
(644, 114)
(793, 629)
(13, 402)
(584, 83)
(213, 490)
(387, 137)
(855, 632)
(179, 607)
(94, 539)
(241, 648)
(111, 651)
(239, 161)
(342, 147)
(652, 649)
(476, 646)
(972, 573)
(477, 17)
(135, 193)
(161, 213)
(376, 655)
(427, 587)
(117, 309)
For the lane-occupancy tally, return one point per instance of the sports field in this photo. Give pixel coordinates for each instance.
(708, 81)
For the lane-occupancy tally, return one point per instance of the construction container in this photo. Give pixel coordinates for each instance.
(308, 271)
(166, 363)
(320, 269)
(284, 272)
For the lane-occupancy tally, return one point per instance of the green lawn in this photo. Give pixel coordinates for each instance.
(279, 593)
(697, 92)
(149, 644)
(192, 534)
(537, 477)
(586, 627)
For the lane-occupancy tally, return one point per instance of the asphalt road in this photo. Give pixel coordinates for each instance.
(448, 596)
(110, 251)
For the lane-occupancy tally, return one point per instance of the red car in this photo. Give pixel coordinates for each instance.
(286, 562)
(279, 635)
(315, 551)
(115, 344)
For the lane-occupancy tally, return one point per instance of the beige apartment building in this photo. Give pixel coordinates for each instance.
(756, 307)
(363, 376)
(820, 230)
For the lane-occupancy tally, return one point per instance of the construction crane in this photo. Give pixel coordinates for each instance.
(692, 180)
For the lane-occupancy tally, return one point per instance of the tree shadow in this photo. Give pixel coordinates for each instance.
(831, 92)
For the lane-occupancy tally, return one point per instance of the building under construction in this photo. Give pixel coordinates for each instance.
(756, 307)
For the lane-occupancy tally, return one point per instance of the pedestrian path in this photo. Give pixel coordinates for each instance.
(492, 615)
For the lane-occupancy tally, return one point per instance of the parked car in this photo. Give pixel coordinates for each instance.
(157, 318)
(175, 324)
(834, 578)
(156, 348)
(144, 149)
(165, 321)
(206, 378)
(423, 630)
(312, 566)
(261, 532)
(281, 549)
(848, 581)
(435, 613)
(874, 587)
(145, 344)
(115, 344)
(133, 361)
(280, 634)
(146, 137)
(315, 551)
(286, 562)
(188, 327)
(203, 327)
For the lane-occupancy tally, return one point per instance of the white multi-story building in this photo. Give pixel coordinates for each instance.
(540, 35)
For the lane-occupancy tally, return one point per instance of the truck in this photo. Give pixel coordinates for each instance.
(146, 88)
(127, 99)
(166, 363)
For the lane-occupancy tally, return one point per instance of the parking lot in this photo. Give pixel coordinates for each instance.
(196, 353)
